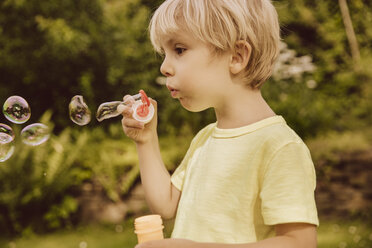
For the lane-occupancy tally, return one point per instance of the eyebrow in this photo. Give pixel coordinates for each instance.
(170, 41)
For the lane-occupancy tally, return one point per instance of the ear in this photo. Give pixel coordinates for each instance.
(240, 56)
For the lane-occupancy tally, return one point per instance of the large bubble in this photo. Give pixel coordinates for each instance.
(110, 109)
(79, 111)
(16, 109)
(107, 110)
(35, 134)
(6, 129)
(6, 146)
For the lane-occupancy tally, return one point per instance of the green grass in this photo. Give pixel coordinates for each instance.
(331, 234)
(108, 236)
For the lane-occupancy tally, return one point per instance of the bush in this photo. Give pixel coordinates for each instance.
(39, 184)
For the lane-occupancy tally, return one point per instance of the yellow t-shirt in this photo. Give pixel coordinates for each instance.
(237, 183)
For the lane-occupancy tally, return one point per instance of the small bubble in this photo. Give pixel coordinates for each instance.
(44, 174)
(79, 111)
(352, 229)
(119, 228)
(6, 129)
(16, 109)
(83, 244)
(6, 146)
(35, 134)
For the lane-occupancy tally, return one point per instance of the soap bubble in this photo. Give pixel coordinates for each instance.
(35, 134)
(6, 129)
(6, 146)
(16, 109)
(108, 110)
(79, 111)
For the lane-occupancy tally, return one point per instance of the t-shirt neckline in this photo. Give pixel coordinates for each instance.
(234, 132)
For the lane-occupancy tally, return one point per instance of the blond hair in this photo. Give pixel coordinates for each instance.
(221, 23)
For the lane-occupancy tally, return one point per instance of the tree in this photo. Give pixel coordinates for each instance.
(350, 32)
(53, 50)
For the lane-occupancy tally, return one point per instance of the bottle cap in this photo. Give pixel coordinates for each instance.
(143, 113)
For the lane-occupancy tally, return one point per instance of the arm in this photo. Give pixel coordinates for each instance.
(161, 196)
(292, 235)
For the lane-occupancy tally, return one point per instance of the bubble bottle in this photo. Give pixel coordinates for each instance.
(148, 227)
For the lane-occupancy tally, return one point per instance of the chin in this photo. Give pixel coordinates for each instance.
(192, 107)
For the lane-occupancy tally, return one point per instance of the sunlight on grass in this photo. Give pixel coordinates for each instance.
(112, 236)
(331, 234)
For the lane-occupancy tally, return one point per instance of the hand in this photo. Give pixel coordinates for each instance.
(136, 130)
(167, 243)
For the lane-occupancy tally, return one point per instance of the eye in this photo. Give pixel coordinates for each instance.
(179, 50)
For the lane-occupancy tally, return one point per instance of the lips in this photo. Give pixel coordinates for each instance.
(173, 91)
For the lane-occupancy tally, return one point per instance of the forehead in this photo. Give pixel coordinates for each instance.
(177, 37)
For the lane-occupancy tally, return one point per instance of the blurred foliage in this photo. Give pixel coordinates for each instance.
(36, 179)
(100, 49)
(53, 50)
(331, 146)
(334, 96)
(39, 185)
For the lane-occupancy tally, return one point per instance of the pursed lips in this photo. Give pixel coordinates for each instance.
(173, 91)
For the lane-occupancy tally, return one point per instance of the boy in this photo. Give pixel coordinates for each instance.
(248, 179)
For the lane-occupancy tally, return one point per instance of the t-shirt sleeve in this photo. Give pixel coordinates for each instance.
(178, 175)
(288, 185)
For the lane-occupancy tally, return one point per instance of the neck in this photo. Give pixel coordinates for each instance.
(242, 107)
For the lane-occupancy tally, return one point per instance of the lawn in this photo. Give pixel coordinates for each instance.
(331, 234)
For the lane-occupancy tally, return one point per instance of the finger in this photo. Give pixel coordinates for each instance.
(128, 99)
(132, 123)
(126, 111)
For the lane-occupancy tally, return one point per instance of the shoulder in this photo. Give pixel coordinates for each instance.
(279, 135)
(204, 133)
(280, 140)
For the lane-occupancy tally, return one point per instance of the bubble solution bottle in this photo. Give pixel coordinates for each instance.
(148, 227)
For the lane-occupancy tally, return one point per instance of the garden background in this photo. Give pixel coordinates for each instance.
(81, 188)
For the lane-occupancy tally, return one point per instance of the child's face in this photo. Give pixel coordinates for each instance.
(195, 75)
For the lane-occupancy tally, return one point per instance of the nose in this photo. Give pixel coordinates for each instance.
(166, 68)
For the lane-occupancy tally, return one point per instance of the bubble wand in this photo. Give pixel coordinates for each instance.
(143, 110)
